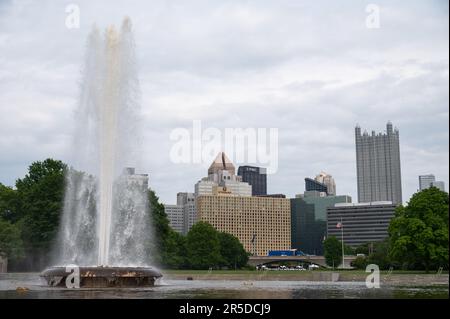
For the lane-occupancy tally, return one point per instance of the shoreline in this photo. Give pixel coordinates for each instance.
(404, 279)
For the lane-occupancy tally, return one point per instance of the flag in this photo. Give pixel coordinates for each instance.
(339, 225)
(253, 239)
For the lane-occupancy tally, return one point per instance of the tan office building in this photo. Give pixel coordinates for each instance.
(267, 220)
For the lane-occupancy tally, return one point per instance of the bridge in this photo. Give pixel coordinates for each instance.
(318, 260)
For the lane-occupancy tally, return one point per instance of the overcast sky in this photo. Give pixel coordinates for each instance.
(312, 69)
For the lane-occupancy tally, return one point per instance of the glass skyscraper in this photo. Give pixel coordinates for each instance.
(378, 166)
(255, 176)
(309, 220)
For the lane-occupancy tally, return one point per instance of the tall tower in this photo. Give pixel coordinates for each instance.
(378, 166)
(327, 180)
(255, 176)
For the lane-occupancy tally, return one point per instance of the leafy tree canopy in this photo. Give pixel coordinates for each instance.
(332, 251)
(11, 245)
(232, 252)
(203, 246)
(419, 230)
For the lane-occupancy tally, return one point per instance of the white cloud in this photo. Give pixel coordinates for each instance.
(313, 70)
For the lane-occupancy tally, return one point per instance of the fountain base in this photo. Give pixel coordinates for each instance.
(104, 277)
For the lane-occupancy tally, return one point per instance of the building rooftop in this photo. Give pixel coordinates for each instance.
(363, 204)
(222, 162)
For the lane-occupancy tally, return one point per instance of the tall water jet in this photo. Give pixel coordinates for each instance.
(106, 220)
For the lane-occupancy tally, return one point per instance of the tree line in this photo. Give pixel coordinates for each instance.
(31, 212)
(418, 237)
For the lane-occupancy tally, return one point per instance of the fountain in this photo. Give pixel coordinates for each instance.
(105, 229)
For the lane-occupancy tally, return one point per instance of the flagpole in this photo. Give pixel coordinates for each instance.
(342, 240)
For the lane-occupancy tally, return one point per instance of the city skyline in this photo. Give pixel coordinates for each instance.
(300, 68)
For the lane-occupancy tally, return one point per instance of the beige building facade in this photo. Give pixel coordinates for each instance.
(260, 223)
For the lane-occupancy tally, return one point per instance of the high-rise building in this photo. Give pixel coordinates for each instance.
(328, 181)
(175, 215)
(187, 200)
(439, 184)
(313, 185)
(378, 166)
(425, 181)
(323, 183)
(256, 177)
(260, 223)
(222, 179)
(182, 215)
(309, 220)
(360, 223)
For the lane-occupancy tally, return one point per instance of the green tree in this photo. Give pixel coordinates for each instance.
(332, 251)
(360, 263)
(419, 230)
(40, 196)
(11, 245)
(160, 223)
(362, 249)
(380, 254)
(203, 246)
(167, 247)
(175, 254)
(232, 252)
(348, 250)
(8, 203)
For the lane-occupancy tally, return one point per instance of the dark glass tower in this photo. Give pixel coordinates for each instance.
(255, 176)
(312, 185)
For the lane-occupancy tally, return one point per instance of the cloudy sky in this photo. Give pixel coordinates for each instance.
(312, 69)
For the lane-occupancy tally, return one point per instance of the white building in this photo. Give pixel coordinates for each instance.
(222, 178)
(328, 181)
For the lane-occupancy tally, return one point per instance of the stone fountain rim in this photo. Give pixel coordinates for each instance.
(100, 271)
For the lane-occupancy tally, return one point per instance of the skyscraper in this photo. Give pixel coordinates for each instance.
(425, 181)
(260, 223)
(256, 177)
(222, 179)
(313, 185)
(322, 183)
(175, 216)
(187, 200)
(327, 180)
(378, 166)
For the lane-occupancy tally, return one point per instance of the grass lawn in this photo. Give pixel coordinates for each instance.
(290, 273)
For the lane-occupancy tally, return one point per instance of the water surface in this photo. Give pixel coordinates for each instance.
(223, 289)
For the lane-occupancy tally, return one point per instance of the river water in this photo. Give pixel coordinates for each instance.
(223, 289)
